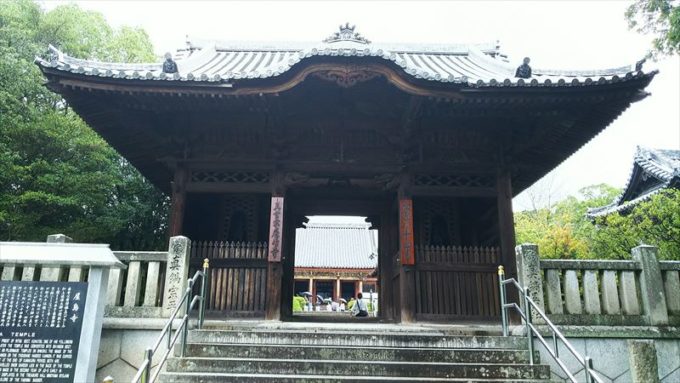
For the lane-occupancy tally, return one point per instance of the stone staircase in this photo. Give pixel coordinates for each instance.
(347, 354)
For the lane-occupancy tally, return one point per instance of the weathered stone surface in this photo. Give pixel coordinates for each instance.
(628, 293)
(672, 287)
(651, 285)
(643, 362)
(50, 274)
(609, 356)
(133, 287)
(53, 274)
(554, 291)
(135, 342)
(176, 274)
(610, 295)
(151, 290)
(59, 238)
(668, 358)
(8, 273)
(118, 369)
(109, 347)
(591, 293)
(572, 297)
(115, 287)
(28, 274)
(530, 274)
(75, 274)
(624, 378)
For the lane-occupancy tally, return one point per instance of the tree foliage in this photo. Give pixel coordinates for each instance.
(56, 174)
(660, 18)
(564, 231)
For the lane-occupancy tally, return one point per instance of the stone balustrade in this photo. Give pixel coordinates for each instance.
(149, 287)
(152, 283)
(638, 292)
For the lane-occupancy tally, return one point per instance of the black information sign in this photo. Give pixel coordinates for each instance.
(40, 326)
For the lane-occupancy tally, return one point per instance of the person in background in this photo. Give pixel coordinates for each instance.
(360, 309)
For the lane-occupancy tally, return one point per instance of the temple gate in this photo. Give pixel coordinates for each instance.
(430, 142)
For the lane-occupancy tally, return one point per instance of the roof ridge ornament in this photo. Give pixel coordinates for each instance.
(169, 66)
(524, 70)
(346, 33)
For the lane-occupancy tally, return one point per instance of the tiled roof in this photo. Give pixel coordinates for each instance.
(662, 164)
(339, 246)
(479, 65)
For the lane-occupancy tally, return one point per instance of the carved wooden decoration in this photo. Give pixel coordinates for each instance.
(406, 248)
(276, 229)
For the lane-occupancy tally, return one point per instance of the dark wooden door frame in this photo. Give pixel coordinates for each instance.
(307, 203)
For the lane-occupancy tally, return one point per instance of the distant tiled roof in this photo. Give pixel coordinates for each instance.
(479, 65)
(660, 164)
(340, 246)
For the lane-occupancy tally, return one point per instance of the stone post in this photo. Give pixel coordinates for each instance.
(651, 285)
(529, 274)
(54, 273)
(643, 363)
(176, 274)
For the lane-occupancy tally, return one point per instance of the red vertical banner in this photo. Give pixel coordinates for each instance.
(275, 230)
(406, 248)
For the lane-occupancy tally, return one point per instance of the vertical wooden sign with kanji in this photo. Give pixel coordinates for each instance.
(406, 248)
(275, 229)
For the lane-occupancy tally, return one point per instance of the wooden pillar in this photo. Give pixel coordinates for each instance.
(178, 201)
(407, 273)
(311, 285)
(274, 266)
(506, 226)
(336, 296)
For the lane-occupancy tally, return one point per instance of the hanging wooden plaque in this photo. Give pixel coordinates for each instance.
(275, 229)
(406, 247)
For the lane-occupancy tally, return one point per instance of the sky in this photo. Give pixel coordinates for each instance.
(554, 34)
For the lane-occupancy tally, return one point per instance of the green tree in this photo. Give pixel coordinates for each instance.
(660, 18)
(562, 230)
(56, 174)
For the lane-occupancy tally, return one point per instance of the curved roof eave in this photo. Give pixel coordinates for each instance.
(213, 65)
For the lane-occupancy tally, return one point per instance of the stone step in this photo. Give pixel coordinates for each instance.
(357, 368)
(407, 354)
(250, 378)
(355, 338)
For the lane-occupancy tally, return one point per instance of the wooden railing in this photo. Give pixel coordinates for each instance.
(238, 276)
(457, 282)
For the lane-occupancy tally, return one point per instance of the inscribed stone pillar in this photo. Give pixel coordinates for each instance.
(529, 273)
(651, 285)
(177, 273)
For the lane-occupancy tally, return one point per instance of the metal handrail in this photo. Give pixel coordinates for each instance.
(525, 314)
(143, 375)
